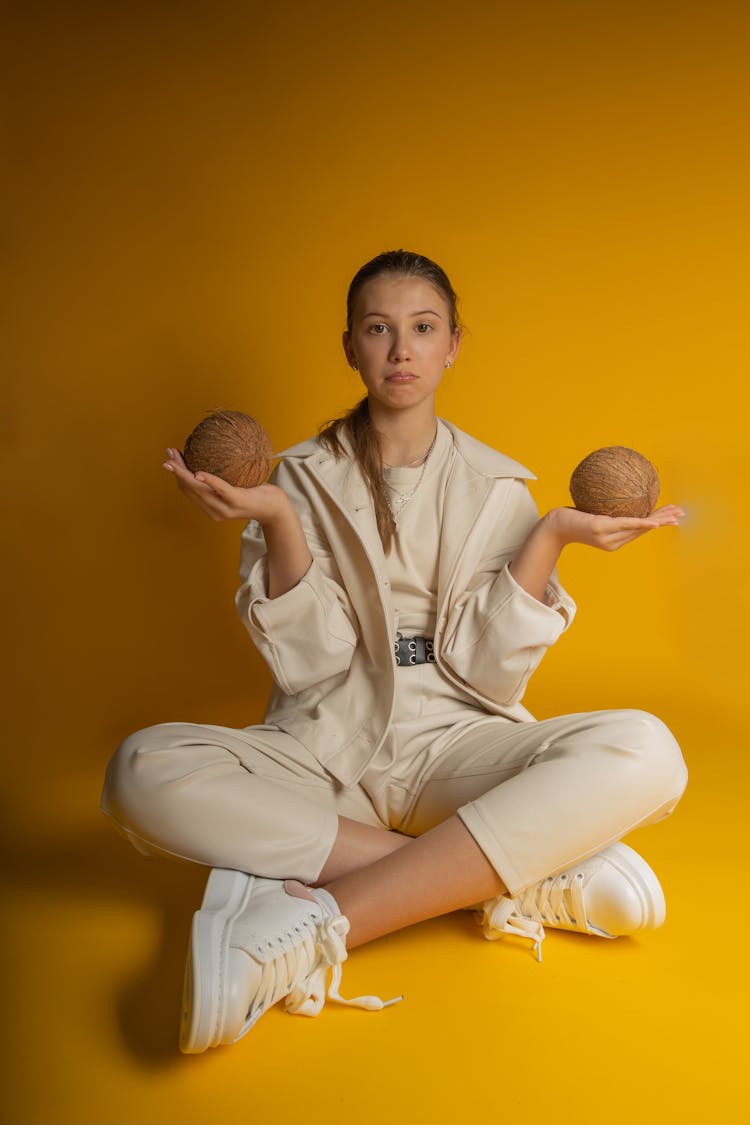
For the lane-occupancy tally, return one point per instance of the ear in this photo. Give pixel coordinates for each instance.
(351, 358)
(455, 344)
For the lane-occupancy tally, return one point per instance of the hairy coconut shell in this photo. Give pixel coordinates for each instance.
(615, 481)
(232, 446)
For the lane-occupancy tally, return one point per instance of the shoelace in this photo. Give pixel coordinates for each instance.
(502, 917)
(300, 974)
(556, 901)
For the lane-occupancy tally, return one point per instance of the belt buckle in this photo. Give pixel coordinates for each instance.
(410, 651)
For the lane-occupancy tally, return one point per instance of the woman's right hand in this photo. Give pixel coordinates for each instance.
(222, 501)
(288, 554)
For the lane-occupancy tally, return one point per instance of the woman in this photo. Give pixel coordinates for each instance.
(382, 790)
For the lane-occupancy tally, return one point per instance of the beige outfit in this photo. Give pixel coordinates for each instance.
(348, 733)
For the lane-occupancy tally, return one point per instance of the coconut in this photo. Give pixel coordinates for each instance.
(615, 481)
(232, 446)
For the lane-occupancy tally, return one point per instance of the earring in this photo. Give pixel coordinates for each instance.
(354, 367)
(448, 363)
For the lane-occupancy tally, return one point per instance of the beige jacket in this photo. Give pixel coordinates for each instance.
(329, 642)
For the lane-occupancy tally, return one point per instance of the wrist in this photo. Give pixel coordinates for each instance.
(551, 531)
(278, 510)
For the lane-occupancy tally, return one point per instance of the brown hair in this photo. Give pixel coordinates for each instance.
(356, 424)
(403, 263)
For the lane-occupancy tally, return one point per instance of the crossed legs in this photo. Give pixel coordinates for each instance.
(522, 799)
(533, 797)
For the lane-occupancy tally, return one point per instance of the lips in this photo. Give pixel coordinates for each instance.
(400, 377)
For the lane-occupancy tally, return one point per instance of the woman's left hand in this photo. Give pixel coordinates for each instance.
(608, 533)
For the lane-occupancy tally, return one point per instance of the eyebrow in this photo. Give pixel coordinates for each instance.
(420, 312)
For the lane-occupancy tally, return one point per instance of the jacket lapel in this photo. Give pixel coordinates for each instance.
(472, 482)
(346, 485)
(465, 497)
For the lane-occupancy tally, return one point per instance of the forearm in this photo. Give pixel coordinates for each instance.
(534, 564)
(288, 557)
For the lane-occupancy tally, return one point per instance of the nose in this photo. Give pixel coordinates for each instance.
(399, 348)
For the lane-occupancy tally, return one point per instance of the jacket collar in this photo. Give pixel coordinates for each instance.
(486, 460)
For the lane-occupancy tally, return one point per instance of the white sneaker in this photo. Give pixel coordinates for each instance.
(254, 942)
(610, 894)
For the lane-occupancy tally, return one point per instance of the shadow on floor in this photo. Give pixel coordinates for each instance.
(97, 865)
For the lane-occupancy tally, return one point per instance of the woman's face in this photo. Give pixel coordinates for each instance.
(401, 340)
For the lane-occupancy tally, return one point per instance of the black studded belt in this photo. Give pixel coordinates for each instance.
(413, 650)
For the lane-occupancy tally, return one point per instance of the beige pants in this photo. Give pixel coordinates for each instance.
(536, 797)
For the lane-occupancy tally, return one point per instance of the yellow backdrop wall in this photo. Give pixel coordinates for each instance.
(193, 188)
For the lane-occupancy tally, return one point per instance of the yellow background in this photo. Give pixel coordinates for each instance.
(189, 188)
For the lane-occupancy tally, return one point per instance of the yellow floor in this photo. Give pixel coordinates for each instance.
(643, 1030)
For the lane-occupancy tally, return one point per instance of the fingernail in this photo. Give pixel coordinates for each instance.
(168, 467)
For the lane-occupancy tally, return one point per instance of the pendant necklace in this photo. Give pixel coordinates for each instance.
(401, 499)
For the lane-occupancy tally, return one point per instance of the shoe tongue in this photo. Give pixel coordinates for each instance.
(298, 890)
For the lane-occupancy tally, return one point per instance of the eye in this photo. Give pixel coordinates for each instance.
(377, 329)
(424, 328)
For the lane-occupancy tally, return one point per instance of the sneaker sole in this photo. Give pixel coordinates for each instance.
(205, 1008)
(644, 882)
